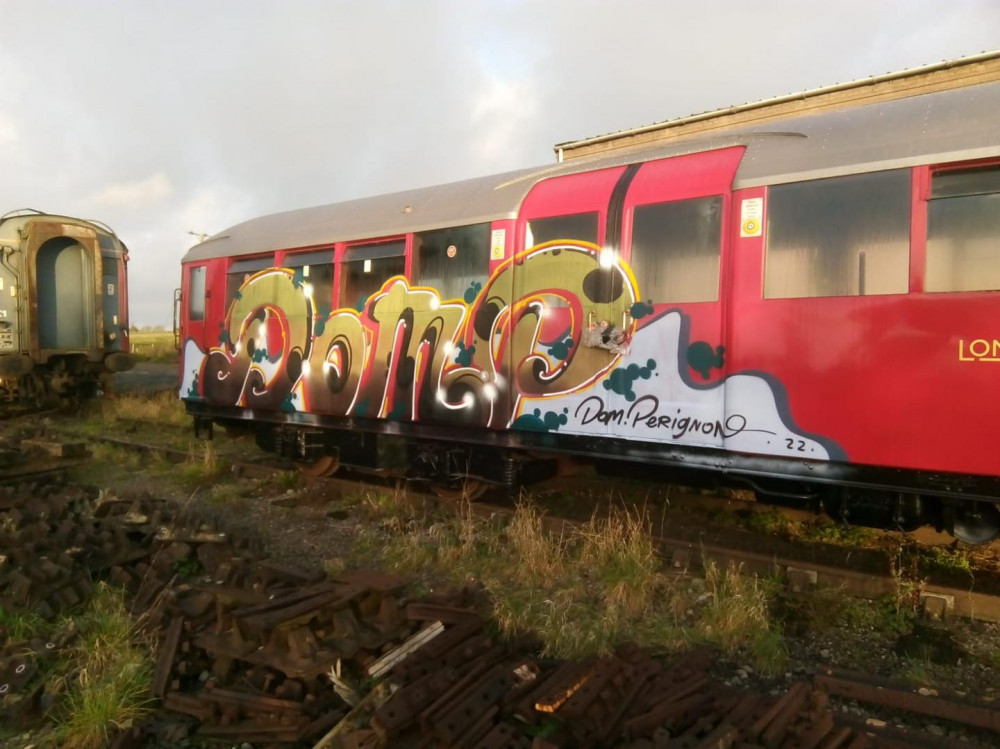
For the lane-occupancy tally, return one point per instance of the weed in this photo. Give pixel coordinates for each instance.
(917, 671)
(156, 408)
(224, 494)
(534, 555)
(110, 679)
(992, 658)
(906, 587)
(771, 523)
(334, 566)
(287, 480)
(113, 455)
(810, 611)
(949, 558)
(837, 534)
(582, 590)
(199, 466)
(20, 626)
(736, 614)
(623, 558)
(380, 506)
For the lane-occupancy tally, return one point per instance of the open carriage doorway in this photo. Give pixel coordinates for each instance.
(65, 283)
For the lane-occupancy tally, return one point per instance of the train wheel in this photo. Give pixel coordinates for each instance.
(321, 467)
(976, 522)
(467, 488)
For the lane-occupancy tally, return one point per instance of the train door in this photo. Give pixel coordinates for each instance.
(64, 292)
(562, 287)
(111, 293)
(669, 387)
(194, 304)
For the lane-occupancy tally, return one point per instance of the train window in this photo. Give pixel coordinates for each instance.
(240, 272)
(316, 272)
(675, 249)
(366, 268)
(196, 293)
(577, 226)
(451, 260)
(843, 236)
(963, 230)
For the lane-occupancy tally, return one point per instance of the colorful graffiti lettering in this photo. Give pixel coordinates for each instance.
(524, 350)
(408, 354)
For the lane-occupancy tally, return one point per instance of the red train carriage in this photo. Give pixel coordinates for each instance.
(809, 310)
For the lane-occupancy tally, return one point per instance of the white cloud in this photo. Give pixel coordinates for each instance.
(8, 130)
(191, 116)
(141, 193)
(501, 114)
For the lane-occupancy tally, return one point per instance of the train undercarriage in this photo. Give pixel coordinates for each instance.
(63, 380)
(454, 469)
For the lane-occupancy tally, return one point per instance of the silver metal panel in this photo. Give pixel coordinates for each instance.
(931, 128)
(946, 126)
(467, 202)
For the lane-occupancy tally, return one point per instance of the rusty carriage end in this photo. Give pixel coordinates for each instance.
(63, 307)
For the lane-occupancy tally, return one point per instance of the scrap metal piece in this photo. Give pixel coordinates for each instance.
(417, 641)
(168, 650)
(865, 690)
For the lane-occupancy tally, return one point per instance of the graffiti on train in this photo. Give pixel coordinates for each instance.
(557, 339)
(408, 354)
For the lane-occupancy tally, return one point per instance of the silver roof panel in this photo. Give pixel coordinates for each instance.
(952, 125)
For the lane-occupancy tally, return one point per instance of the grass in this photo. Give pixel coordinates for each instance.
(580, 589)
(108, 686)
(201, 465)
(20, 625)
(100, 680)
(158, 408)
(948, 558)
(153, 345)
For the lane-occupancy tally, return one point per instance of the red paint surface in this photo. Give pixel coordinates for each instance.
(879, 375)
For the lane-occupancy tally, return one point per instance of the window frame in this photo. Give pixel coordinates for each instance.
(416, 255)
(910, 243)
(191, 295)
(300, 258)
(342, 259)
(628, 229)
(922, 184)
(249, 264)
(598, 230)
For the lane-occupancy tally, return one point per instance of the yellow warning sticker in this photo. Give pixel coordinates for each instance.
(498, 244)
(751, 212)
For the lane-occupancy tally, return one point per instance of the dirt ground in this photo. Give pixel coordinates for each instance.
(315, 524)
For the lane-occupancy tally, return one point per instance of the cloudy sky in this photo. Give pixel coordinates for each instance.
(161, 117)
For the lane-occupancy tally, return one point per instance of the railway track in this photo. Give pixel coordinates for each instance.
(686, 548)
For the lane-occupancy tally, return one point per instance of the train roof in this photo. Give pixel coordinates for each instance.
(13, 221)
(952, 125)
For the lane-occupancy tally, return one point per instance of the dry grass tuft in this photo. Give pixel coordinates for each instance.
(535, 555)
(201, 464)
(620, 552)
(156, 408)
(736, 615)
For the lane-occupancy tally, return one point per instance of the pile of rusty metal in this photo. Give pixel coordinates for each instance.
(255, 652)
